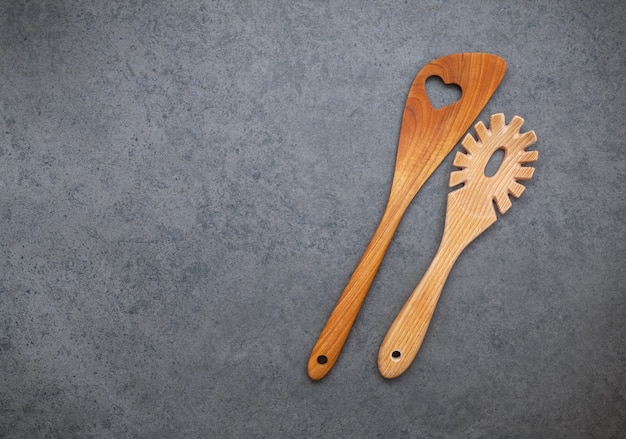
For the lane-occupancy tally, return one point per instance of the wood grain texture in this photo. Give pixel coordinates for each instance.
(470, 211)
(426, 137)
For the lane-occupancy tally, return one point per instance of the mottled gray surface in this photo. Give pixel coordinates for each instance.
(185, 190)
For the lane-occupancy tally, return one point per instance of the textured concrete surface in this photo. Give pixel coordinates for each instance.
(185, 188)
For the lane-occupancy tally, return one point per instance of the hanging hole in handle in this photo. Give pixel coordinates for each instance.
(322, 359)
(395, 355)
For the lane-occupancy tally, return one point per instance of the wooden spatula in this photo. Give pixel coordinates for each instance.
(426, 137)
(470, 212)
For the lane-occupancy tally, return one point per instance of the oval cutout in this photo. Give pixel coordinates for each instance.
(494, 163)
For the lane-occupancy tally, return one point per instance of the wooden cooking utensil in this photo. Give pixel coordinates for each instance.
(426, 137)
(470, 211)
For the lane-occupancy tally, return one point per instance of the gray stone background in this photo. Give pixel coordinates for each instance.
(186, 187)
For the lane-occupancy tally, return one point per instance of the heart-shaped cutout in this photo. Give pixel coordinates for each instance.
(441, 94)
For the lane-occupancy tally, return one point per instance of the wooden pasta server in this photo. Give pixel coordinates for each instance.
(470, 212)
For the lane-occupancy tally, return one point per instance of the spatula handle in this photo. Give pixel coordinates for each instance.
(341, 320)
(405, 336)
